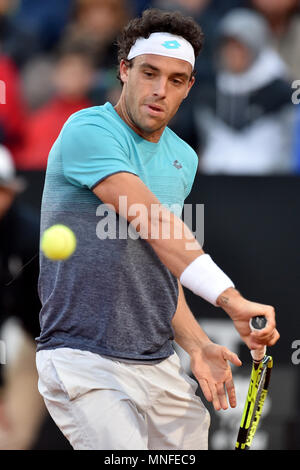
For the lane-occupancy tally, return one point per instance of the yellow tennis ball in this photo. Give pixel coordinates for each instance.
(58, 242)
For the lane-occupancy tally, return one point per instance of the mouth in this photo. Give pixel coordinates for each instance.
(154, 109)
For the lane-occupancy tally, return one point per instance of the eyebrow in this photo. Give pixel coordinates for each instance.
(155, 69)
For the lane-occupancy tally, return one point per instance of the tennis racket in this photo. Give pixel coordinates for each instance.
(259, 382)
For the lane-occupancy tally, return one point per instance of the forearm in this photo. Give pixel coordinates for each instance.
(188, 333)
(168, 235)
(179, 248)
(183, 255)
(227, 300)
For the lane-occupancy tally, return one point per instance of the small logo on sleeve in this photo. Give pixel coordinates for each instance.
(177, 164)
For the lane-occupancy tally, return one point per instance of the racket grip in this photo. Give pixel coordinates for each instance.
(258, 323)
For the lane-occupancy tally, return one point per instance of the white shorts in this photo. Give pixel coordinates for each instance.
(100, 403)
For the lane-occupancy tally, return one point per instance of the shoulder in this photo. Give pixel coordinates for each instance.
(91, 121)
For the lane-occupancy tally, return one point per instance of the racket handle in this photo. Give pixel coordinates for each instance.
(258, 323)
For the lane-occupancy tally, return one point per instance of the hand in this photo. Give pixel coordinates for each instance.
(211, 368)
(241, 311)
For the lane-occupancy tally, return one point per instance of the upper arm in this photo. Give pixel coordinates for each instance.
(94, 158)
(90, 153)
(128, 195)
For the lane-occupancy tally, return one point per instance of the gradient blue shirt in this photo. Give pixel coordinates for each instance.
(113, 296)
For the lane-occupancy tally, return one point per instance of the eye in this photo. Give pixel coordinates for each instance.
(176, 81)
(148, 74)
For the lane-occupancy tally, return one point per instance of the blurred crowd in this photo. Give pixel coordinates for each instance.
(59, 57)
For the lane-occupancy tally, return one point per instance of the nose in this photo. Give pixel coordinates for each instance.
(160, 87)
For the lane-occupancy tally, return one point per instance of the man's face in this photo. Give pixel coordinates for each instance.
(275, 7)
(235, 57)
(73, 77)
(153, 90)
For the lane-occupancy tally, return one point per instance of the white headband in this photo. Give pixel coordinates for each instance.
(164, 44)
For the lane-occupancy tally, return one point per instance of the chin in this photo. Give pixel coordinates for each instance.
(153, 124)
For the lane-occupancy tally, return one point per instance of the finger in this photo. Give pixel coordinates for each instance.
(230, 388)
(263, 336)
(274, 338)
(255, 343)
(222, 395)
(215, 398)
(232, 357)
(269, 314)
(205, 389)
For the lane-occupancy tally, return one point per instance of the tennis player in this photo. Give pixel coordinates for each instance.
(107, 369)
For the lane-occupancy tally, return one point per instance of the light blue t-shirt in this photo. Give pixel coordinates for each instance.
(113, 296)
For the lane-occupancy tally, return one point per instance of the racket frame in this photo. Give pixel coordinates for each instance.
(256, 396)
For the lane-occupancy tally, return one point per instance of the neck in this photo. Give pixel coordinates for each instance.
(122, 111)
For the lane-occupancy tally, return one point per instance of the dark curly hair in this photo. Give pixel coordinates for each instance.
(155, 21)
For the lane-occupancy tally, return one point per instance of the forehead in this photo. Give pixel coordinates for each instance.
(164, 64)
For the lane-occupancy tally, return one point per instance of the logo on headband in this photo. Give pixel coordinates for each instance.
(171, 44)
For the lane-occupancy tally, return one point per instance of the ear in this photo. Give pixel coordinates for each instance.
(191, 83)
(124, 71)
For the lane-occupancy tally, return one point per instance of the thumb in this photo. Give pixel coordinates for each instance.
(232, 357)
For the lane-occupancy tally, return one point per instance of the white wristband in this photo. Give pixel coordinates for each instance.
(204, 278)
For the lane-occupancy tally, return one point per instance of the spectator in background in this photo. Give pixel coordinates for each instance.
(222, 8)
(245, 116)
(72, 77)
(46, 20)
(140, 5)
(283, 17)
(24, 420)
(93, 24)
(12, 107)
(37, 83)
(16, 41)
(19, 240)
(97, 23)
